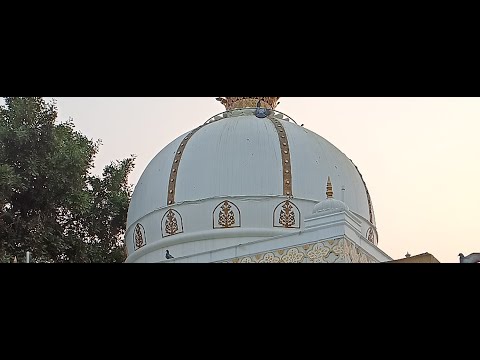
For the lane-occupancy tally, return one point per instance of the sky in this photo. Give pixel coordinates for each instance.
(418, 156)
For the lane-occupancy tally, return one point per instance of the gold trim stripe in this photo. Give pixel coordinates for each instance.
(369, 199)
(285, 150)
(172, 182)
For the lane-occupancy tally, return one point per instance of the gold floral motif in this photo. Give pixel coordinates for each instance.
(354, 255)
(139, 239)
(338, 249)
(287, 215)
(226, 217)
(345, 251)
(293, 256)
(319, 253)
(171, 225)
(270, 258)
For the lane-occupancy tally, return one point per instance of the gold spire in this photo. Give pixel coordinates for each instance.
(231, 103)
(329, 189)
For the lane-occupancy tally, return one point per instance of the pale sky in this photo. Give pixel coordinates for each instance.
(418, 156)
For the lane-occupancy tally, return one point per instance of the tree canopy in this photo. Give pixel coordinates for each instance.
(50, 202)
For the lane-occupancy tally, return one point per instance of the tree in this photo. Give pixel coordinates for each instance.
(50, 203)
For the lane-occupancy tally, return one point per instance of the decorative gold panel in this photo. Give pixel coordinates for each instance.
(293, 255)
(226, 215)
(172, 223)
(268, 258)
(286, 215)
(139, 237)
(338, 250)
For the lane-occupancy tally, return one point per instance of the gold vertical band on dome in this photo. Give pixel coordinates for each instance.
(285, 150)
(172, 181)
(369, 199)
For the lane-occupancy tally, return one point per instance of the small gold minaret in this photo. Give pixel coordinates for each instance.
(231, 103)
(329, 189)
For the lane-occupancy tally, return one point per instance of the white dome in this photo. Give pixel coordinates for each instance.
(329, 205)
(237, 155)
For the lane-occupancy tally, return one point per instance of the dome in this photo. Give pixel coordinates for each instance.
(330, 204)
(242, 163)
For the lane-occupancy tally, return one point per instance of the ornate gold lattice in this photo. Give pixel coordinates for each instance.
(231, 103)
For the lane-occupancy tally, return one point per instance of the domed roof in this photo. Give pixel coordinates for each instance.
(247, 152)
(330, 204)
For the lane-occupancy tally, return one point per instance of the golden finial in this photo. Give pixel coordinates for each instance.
(329, 189)
(231, 103)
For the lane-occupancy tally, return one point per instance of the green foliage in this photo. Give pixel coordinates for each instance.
(50, 204)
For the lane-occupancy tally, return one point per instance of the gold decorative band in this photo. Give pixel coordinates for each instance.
(369, 199)
(176, 162)
(285, 149)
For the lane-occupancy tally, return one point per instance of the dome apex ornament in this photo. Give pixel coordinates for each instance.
(329, 192)
(231, 103)
(261, 112)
